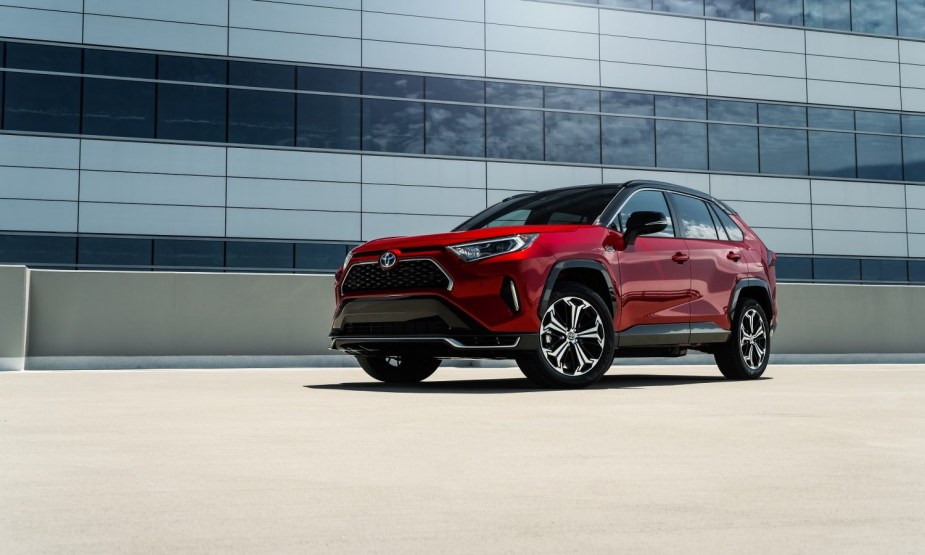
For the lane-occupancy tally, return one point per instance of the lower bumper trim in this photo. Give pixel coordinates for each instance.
(475, 346)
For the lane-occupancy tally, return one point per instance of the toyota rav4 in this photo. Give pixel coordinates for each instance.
(562, 281)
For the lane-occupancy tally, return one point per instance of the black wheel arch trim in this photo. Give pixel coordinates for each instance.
(573, 263)
(749, 282)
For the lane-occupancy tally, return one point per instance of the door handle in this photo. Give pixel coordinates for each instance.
(734, 256)
(680, 257)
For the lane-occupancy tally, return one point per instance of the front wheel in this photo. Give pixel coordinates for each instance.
(399, 369)
(745, 354)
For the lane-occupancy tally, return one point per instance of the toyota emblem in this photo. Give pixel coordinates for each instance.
(387, 260)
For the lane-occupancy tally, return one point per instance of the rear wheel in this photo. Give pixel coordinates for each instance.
(399, 369)
(745, 354)
(576, 340)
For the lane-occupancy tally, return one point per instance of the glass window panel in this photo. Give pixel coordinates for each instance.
(562, 98)
(118, 108)
(877, 121)
(195, 70)
(310, 256)
(880, 157)
(783, 151)
(913, 125)
(261, 117)
(254, 74)
(733, 148)
(43, 57)
(733, 231)
(47, 103)
(794, 268)
(831, 154)
(114, 251)
(828, 14)
(455, 130)
(692, 7)
(513, 94)
(628, 141)
(731, 9)
(680, 107)
(189, 254)
(696, 222)
(456, 90)
(827, 118)
(393, 126)
(785, 12)
(2, 54)
(884, 270)
(258, 255)
(914, 159)
(329, 80)
(573, 138)
(778, 114)
(837, 269)
(393, 84)
(627, 103)
(726, 110)
(917, 271)
(635, 4)
(119, 64)
(874, 16)
(328, 122)
(911, 18)
(681, 144)
(646, 201)
(191, 113)
(25, 249)
(515, 134)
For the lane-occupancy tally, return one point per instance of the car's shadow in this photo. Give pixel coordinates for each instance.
(520, 385)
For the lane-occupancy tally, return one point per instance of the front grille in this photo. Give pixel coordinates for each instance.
(421, 326)
(407, 274)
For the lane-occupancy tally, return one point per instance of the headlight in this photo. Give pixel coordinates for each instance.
(492, 247)
(347, 260)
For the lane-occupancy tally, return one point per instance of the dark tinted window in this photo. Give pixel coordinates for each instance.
(739, 112)
(827, 118)
(732, 229)
(119, 64)
(329, 80)
(328, 122)
(917, 271)
(562, 98)
(692, 7)
(456, 90)
(628, 141)
(573, 138)
(883, 270)
(22, 249)
(831, 154)
(118, 108)
(874, 16)
(627, 103)
(191, 113)
(680, 107)
(393, 84)
(783, 151)
(515, 134)
(911, 18)
(43, 57)
(914, 159)
(731, 9)
(733, 148)
(195, 70)
(310, 256)
(261, 117)
(696, 222)
(393, 126)
(828, 14)
(878, 122)
(646, 201)
(913, 125)
(786, 12)
(837, 269)
(455, 130)
(776, 114)
(880, 157)
(578, 205)
(792, 268)
(189, 254)
(114, 251)
(258, 255)
(681, 144)
(513, 94)
(253, 74)
(42, 103)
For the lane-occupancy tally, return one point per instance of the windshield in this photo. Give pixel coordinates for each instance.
(576, 205)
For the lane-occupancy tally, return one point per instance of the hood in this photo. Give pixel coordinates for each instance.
(439, 240)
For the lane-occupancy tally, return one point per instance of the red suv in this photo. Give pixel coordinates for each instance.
(562, 281)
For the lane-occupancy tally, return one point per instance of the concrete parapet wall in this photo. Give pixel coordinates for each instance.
(14, 315)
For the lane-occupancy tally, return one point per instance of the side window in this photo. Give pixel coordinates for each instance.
(732, 229)
(646, 201)
(694, 215)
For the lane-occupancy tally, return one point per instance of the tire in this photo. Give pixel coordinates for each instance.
(399, 369)
(564, 359)
(744, 356)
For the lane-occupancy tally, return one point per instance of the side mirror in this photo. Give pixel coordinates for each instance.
(644, 223)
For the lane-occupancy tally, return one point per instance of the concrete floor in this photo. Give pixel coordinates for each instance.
(813, 458)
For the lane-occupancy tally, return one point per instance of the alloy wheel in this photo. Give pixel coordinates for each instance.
(753, 339)
(572, 336)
